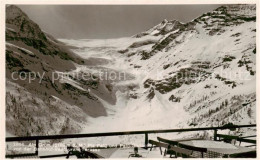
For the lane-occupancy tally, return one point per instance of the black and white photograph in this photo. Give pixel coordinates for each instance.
(114, 80)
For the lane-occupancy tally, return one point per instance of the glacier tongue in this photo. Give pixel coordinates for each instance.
(199, 74)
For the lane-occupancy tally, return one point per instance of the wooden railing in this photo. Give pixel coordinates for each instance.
(145, 133)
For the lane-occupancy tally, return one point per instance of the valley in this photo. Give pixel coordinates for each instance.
(174, 75)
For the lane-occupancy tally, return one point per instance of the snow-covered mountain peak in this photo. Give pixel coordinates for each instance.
(164, 21)
(162, 28)
(211, 49)
(230, 14)
(201, 73)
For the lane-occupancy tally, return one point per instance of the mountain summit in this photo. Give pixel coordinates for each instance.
(176, 75)
(206, 66)
(35, 103)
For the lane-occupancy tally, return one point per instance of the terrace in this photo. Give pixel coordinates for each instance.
(221, 145)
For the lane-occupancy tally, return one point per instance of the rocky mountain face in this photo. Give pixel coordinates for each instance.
(42, 105)
(200, 73)
(206, 66)
(161, 29)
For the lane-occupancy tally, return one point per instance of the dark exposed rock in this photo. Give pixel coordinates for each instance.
(228, 58)
(184, 76)
(174, 99)
(151, 94)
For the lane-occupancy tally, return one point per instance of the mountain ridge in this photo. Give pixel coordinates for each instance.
(62, 103)
(178, 76)
(182, 54)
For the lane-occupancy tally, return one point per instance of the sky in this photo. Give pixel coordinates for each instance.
(107, 21)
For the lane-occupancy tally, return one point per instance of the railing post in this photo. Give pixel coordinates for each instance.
(146, 141)
(215, 134)
(37, 147)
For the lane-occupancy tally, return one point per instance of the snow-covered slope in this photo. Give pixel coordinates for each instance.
(43, 105)
(204, 65)
(201, 73)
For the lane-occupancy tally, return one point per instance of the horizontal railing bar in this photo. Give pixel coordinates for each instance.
(21, 155)
(48, 137)
(227, 136)
(247, 140)
(53, 156)
(248, 136)
(251, 145)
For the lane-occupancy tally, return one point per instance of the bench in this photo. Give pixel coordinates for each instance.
(180, 152)
(232, 139)
(172, 150)
(227, 138)
(192, 148)
(160, 145)
(171, 142)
